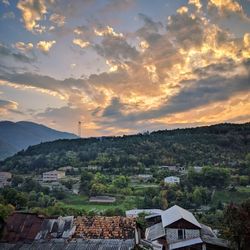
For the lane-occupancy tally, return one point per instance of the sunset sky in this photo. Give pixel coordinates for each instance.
(124, 66)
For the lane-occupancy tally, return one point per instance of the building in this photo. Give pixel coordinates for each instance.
(145, 177)
(102, 199)
(136, 212)
(197, 169)
(177, 228)
(170, 168)
(172, 180)
(5, 179)
(53, 175)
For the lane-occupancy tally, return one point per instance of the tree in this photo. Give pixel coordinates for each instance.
(86, 178)
(120, 181)
(237, 219)
(6, 210)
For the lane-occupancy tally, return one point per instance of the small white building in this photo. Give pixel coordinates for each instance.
(53, 175)
(5, 179)
(170, 168)
(145, 177)
(172, 180)
(197, 169)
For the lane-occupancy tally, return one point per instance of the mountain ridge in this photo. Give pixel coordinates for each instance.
(220, 144)
(16, 136)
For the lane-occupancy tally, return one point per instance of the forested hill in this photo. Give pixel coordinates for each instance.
(222, 144)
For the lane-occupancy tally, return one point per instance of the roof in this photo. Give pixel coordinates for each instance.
(215, 241)
(54, 228)
(185, 243)
(101, 227)
(176, 213)
(22, 227)
(154, 232)
(207, 231)
(73, 245)
(136, 212)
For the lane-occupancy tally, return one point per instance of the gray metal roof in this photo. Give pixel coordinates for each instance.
(176, 213)
(95, 244)
(185, 243)
(155, 232)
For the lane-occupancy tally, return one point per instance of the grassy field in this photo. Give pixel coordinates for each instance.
(241, 193)
(81, 202)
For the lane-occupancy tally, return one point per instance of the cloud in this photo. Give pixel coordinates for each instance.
(8, 15)
(81, 43)
(7, 106)
(32, 11)
(6, 2)
(107, 31)
(45, 46)
(24, 47)
(18, 57)
(226, 8)
(57, 19)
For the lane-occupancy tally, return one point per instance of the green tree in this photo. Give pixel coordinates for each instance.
(237, 220)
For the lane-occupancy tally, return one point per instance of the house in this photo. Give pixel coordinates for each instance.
(94, 167)
(179, 229)
(5, 179)
(172, 180)
(170, 168)
(145, 177)
(53, 175)
(197, 169)
(136, 212)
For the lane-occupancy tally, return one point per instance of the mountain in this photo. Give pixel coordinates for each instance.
(222, 144)
(15, 136)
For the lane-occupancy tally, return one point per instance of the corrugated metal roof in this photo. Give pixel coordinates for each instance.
(176, 213)
(215, 241)
(22, 227)
(185, 243)
(155, 232)
(95, 244)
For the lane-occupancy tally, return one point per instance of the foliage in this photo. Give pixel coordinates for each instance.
(226, 144)
(237, 219)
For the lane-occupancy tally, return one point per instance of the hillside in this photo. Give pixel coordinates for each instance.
(17, 136)
(222, 144)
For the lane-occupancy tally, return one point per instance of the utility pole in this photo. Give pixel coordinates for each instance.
(80, 129)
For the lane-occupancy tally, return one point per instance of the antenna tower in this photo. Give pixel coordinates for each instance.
(80, 129)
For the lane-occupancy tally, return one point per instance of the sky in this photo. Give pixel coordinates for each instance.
(124, 66)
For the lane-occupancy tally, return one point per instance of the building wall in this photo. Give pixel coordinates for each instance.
(172, 234)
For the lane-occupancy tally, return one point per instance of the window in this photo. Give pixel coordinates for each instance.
(181, 234)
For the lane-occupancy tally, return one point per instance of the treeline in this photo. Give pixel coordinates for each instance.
(224, 144)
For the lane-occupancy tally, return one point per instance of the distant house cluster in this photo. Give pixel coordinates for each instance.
(5, 179)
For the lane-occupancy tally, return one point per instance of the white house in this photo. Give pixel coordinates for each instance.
(145, 177)
(172, 180)
(5, 179)
(53, 175)
(177, 228)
